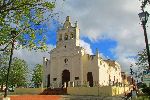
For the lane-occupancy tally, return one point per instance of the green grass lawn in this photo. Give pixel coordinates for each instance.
(1, 93)
(143, 98)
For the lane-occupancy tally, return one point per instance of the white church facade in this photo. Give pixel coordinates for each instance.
(69, 64)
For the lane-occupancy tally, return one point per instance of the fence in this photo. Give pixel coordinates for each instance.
(85, 84)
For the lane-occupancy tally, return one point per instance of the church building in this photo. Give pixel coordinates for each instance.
(70, 65)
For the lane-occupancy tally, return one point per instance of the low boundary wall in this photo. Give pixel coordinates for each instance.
(97, 91)
(28, 90)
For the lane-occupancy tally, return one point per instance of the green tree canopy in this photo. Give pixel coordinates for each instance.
(142, 59)
(37, 75)
(3, 68)
(25, 17)
(18, 73)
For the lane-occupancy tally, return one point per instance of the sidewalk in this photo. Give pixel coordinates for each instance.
(62, 97)
(70, 97)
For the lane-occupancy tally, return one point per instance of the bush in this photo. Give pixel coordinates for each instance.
(145, 89)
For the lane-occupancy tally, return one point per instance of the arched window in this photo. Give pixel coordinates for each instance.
(65, 60)
(66, 37)
(71, 36)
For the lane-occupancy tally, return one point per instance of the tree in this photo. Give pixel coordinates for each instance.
(25, 17)
(37, 75)
(142, 59)
(142, 63)
(3, 68)
(145, 89)
(3, 71)
(18, 73)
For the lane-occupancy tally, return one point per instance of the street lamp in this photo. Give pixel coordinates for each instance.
(144, 18)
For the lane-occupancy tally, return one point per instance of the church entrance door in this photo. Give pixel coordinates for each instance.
(65, 77)
(90, 78)
(48, 80)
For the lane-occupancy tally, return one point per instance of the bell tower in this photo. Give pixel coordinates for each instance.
(68, 34)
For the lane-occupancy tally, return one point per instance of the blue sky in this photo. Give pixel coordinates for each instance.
(51, 32)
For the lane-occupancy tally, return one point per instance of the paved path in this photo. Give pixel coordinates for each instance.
(35, 97)
(61, 97)
(68, 97)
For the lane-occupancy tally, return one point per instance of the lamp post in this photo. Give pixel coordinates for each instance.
(144, 18)
(13, 34)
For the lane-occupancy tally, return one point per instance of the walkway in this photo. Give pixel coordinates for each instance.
(61, 97)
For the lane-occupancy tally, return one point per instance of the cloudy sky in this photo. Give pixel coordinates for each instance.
(112, 26)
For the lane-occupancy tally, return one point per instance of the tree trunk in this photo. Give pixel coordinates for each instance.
(1, 87)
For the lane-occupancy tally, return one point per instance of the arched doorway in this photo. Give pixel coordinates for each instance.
(90, 78)
(65, 77)
(48, 80)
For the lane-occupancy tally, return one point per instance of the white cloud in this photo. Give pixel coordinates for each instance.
(32, 57)
(86, 46)
(115, 19)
